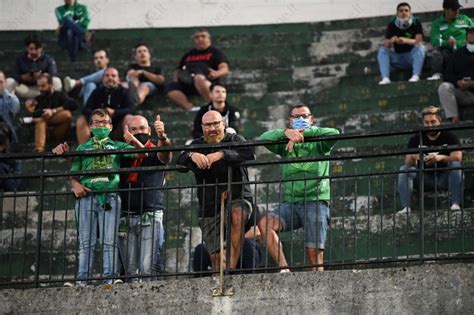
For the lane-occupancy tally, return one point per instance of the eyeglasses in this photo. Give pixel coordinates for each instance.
(304, 116)
(100, 122)
(214, 124)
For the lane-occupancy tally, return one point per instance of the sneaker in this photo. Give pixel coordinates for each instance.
(118, 281)
(195, 109)
(414, 78)
(285, 270)
(436, 76)
(455, 206)
(385, 81)
(68, 284)
(25, 121)
(69, 84)
(405, 210)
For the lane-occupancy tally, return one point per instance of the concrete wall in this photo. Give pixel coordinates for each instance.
(113, 14)
(427, 289)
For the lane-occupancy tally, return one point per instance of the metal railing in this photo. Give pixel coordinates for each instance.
(39, 237)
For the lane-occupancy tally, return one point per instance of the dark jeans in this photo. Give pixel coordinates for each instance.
(8, 184)
(71, 37)
(439, 59)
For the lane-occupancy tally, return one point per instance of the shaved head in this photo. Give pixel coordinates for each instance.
(138, 124)
(213, 128)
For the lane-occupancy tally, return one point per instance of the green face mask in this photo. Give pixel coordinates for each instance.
(100, 133)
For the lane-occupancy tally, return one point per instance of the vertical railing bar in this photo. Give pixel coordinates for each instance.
(40, 225)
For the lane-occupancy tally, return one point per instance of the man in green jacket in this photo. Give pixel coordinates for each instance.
(73, 19)
(306, 188)
(448, 33)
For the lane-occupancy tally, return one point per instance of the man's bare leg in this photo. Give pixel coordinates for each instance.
(82, 130)
(269, 226)
(237, 235)
(180, 99)
(202, 85)
(216, 261)
(143, 91)
(316, 257)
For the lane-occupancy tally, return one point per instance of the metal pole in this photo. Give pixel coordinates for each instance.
(40, 225)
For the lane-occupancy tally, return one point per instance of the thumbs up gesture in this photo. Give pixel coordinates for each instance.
(159, 127)
(127, 136)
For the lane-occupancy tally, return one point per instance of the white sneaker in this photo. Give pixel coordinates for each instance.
(455, 206)
(195, 109)
(414, 78)
(385, 81)
(118, 281)
(436, 76)
(405, 210)
(68, 284)
(69, 84)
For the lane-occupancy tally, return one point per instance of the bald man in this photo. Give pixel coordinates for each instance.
(210, 166)
(142, 209)
(112, 97)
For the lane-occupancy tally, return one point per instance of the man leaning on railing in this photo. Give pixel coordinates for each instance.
(95, 209)
(433, 179)
(306, 197)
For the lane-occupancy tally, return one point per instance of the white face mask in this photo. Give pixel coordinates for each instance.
(403, 24)
(470, 47)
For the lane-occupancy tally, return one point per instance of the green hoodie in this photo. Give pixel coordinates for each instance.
(77, 12)
(442, 30)
(309, 189)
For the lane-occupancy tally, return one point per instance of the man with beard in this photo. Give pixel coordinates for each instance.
(50, 109)
(442, 179)
(112, 97)
(210, 166)
(142, 207)
(29, 66)
(405, 34)
(230, 114)
(197, 69)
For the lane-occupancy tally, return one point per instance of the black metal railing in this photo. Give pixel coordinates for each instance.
(39, 237)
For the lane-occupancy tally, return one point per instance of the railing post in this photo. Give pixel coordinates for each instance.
(40, 223)
(421, 190)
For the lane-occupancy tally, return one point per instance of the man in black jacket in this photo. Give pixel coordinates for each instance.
(50, 108)
(29, 66)
(211, 166)
(112, 97)
(230, 114)
(459, 86)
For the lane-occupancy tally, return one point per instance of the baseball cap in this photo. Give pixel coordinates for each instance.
(451, 4)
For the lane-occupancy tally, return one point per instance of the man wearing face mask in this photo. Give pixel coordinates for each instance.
(95, 209)
(306, 194)
(405, 34)
(433, 179)
(448, 34)
(210, 166)
(50, 109)
(458, 90)
(143, 208)
(112, 97)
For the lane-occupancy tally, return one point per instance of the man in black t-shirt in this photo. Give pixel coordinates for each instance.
(405, 34)
(143, 78)
(197, 69)
(437, 159)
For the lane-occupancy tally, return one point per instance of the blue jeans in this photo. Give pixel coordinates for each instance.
(91, 214)
(313, 216)
(445, 180)
(71, 37)
(411, 60)
(143, 244)
(89, 84)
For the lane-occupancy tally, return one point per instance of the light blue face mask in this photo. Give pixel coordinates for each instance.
(403, 24)
(300, 123)
(470, 47)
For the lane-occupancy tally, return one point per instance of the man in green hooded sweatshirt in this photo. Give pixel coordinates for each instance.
(306, 188)
(95, 208)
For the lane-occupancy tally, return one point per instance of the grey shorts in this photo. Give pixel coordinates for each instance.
(210, 226)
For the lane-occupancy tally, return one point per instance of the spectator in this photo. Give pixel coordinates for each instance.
(112, 97)
(8, 166)
(448, 33)
(9, 108)
(50, 109)
(405, 34)
(90, 82)
(143, 209)
(230, 114)
(306, 194)
(73, 20)
(96, 210)
(197, 69)
(459, 86)
(210, 166)
(144, 79)
(433, 178)
(29, 66)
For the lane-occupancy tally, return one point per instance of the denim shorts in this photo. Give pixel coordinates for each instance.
(154, 89)
(313, 216)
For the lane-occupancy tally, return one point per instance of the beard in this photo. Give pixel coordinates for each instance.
(214, 137)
